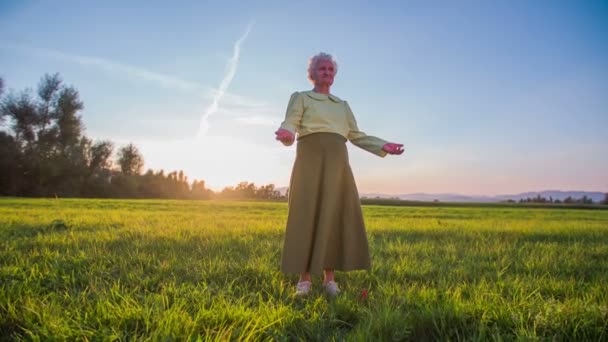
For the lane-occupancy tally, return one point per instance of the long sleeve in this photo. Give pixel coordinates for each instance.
(294, 112)
(367, 142)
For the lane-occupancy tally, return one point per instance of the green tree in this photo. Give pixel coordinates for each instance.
(267, 192)
(48, 133)
(585, 200)
(100, 156)
(99, 169)
(131, 162)
(10, 157)
(21, 111)
(245, 190)
(125, 186)
(48, 90)
(69, 124)
(198, 190)
(44, 152)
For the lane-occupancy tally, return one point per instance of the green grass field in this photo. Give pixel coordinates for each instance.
(190, 270)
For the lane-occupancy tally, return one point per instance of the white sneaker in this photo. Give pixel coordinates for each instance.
(331, 288)
(303, 288)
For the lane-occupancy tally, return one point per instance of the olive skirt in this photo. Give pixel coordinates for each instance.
(325, 228)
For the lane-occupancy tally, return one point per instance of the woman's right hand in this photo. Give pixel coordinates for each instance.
(392, 148)
(285, 136)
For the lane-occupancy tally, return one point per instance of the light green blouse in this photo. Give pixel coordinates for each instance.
(310, 112)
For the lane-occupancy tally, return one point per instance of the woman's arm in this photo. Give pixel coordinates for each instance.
(291, 125)
(369, 143)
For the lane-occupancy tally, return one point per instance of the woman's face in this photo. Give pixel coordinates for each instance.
(324, 73)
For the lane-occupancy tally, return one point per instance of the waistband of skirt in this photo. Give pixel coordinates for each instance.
(323, 135)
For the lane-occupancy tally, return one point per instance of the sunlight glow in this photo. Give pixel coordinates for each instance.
(220, 160)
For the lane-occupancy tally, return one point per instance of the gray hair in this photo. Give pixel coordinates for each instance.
(314, 60)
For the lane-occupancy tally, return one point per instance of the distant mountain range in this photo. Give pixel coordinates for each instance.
(448, 197)
(596, 196)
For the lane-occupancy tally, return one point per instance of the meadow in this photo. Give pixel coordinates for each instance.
(122, 270)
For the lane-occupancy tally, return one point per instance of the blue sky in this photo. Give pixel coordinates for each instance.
(489, 97)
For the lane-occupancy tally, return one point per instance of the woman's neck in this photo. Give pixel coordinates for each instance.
(321, 89)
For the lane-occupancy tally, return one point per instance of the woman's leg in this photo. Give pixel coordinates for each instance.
(305, 276)
(330, 284)
(304, 285)
(329, 276)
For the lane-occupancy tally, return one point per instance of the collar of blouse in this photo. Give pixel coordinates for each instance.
(322, 97)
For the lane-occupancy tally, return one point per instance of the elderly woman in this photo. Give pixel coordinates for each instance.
(325, 228)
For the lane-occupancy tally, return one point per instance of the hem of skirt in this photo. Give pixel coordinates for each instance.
(337, 269)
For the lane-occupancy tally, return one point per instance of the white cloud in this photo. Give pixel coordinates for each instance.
(136, 72)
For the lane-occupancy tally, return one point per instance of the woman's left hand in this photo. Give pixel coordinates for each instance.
(392, 148)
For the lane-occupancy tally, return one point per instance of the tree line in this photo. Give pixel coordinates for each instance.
(567, 200)
(45, 153)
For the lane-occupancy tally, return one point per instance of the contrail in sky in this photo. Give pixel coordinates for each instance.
(232, 65)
